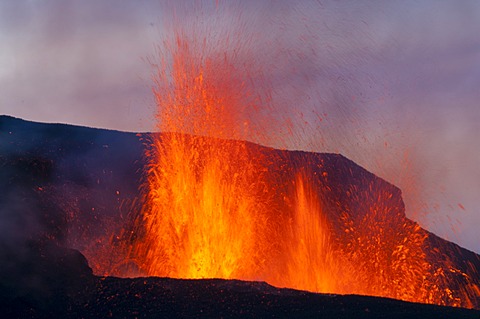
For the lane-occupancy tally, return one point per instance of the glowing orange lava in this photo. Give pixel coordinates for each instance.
(203, 216)
(214, 208)
(200, 218)
(310, 260)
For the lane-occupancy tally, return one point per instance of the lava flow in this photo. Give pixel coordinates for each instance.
(214, 206)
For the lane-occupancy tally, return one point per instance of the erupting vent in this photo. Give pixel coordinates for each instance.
(218, 208)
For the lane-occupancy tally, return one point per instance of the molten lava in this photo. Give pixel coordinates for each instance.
(308, 254)
(202, 219)
(215, 209)
(204, 215)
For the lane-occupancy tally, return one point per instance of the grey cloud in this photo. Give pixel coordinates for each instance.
(68, 54)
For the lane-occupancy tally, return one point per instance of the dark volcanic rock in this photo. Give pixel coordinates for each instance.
(214, 298)
(42, 279)
(177, 298)
(54, 282)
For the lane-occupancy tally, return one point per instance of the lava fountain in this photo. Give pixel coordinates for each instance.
(214, 208)
(204, 212)
(310, 260)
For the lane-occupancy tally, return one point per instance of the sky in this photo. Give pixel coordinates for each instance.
(394, 86)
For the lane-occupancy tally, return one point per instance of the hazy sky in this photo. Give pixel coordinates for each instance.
(397, 84)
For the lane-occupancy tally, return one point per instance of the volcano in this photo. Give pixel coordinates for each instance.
(70, 227)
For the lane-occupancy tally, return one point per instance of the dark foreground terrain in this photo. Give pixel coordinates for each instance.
(57, 283)
(66, 194)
